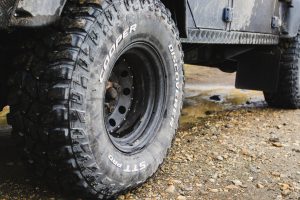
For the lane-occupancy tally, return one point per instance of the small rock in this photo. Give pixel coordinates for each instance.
(278, 197)
(277, 144)
(259, 185)
(188, 188)
(278, 126)
(171, 189)
(209, 112)
(284, 186)
(215, 98)
(231, 187)
(121, 197)
(212, 180)
(189, 157)
(127, 196)
(220, 158)
(245, 152)
(214, 137)
(285, 192)
(254, 169)
(181, 197)
(237, 182)
(177, 140)
(216, 175)
(177, 181)
(203, 192)
(170, 182)
(296, 150)
(250, 179)
(274, 139)
(277, 174)
(199, 185)
(214, 190)
(228, 126)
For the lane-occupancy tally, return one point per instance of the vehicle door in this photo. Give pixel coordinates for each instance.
(254, 15)
(207, 14)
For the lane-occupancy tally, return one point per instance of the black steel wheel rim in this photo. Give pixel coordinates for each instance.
(135, 97)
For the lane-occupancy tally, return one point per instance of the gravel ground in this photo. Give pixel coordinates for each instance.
(230, 145)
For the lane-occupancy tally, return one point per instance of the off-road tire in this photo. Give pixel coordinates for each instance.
(62, 122)
(16, 51)
(26, 50)
(288, 91)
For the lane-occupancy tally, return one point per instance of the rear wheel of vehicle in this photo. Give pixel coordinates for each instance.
(109, 99)
(288, 91)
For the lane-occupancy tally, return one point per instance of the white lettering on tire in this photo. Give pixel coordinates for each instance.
(114, 47)
(135, 167)
(177, 85)
(114, 161)
(128, 168)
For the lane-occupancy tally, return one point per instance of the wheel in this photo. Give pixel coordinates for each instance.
(107, 103)
(288, 91)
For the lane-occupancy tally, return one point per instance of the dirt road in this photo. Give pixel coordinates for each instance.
(230, 145)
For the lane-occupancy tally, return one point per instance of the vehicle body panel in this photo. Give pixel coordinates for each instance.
(30, 13)
(6, 11)
(253, 15)
(291, 19)
(264, 17)
(41, 7)
(208, 13)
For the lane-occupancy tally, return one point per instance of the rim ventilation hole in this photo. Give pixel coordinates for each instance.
(112, 122)
(126, 91)
(124, 74)
(122, 110)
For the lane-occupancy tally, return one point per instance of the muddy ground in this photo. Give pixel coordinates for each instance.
(230, 145)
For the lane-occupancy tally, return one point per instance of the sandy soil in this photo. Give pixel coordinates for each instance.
(230, 145)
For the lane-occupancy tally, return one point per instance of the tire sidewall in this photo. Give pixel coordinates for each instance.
(141, 25)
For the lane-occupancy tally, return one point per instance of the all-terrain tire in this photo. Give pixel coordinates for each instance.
(17, 51)
(288, 91)
(26, 49)
(70, 136)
